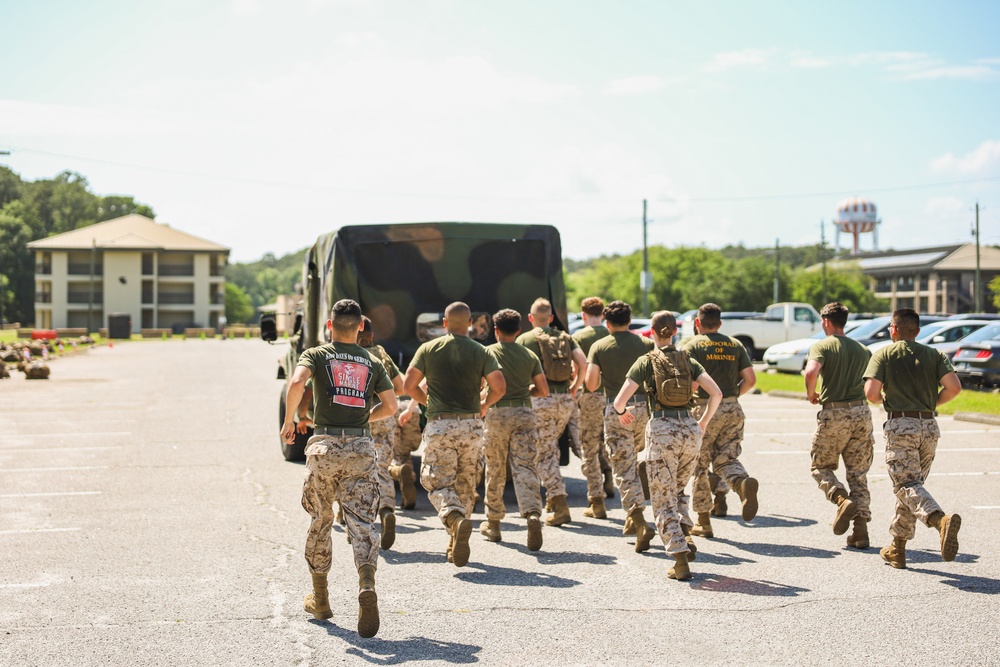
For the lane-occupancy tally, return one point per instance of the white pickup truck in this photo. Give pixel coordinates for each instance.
(779, 323)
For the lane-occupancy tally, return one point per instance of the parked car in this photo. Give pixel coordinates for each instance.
(977, 361)
(791, 356)
(944, 335)
(878, 329)
(976, 316)
(780, 322)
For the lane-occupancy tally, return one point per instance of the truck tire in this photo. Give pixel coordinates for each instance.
(297, 450)
(748, 344)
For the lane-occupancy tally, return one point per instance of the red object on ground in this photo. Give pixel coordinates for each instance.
(43, 334)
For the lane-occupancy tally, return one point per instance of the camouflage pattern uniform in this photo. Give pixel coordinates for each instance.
(405, 440)
(590, 406)
(723, 357)
(614, 355)
(511, 430)
(450, 463)
(383, 433)
(910, 374)
(844, 425)
(340, 468)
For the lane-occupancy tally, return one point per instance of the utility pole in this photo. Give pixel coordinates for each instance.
(822, 256)
(646, 278)
(777, 274)
(979, 284)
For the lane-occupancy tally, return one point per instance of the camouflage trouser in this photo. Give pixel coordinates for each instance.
(552, 414)
(624, 443)
(406, 440)
(592, 442)
(847, 433)
(673, 452)
(452, 449)
(382, 434)
(340, 468)
(910, 445)
(720, 449)
(511, 430)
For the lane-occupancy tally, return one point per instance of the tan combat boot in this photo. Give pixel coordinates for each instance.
(859, 538)
(609, 483)
(680, 571)
(692, 547)
(895, 553)
(846, 509)
(629, 527)
(597, 510)
(367, 602)
(318, 602)
(719, 507)
(407, 485)
(534, 532)
(490, 529)
(704, 526)
(644, 533)
(947, 526)
(747, 490)
(560, 511)
(388, 519)
(461, 530)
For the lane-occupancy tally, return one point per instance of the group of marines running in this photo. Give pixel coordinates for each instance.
(620, 395)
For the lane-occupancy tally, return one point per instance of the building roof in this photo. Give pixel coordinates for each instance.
(961, 257)
(130, 232)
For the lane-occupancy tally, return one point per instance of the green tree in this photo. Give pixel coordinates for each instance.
(849, 287)
(994, 291)
(16, 265)
(115, 206)
(61, 204)
(238, 306)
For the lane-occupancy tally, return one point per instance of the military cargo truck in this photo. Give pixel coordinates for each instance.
(404, 275)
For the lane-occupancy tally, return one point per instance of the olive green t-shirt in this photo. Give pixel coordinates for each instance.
(345, 379)
(518, 365)
(844, 361)
(586, 337)
(910, 374)
(615, 354)
(722, 357)
(454, 367)
(528, 340)
(642, 374)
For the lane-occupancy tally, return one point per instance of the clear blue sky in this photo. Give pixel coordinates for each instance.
(260, 124)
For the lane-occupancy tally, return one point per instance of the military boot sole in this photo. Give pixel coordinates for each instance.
(408, 488)
(845, 513)
(890, 557)
(460, 552)
(388, 530)
(949, 536)
(534, 533)
(749, 497)
(319, 612)
(368, 621)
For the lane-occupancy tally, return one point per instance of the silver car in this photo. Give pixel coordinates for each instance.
(791, 356)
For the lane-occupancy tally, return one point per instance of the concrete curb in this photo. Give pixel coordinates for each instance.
(781, 393)
(980, 417)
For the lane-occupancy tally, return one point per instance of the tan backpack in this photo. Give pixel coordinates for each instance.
(671, 377)
(557, 355)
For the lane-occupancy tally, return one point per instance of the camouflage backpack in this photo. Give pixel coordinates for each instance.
(671, 377)
(557, 355)
(382, 356)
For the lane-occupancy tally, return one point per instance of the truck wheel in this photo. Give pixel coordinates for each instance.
(748, 344)
(297, 450)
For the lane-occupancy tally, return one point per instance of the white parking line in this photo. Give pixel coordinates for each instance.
(37, 530)
(54, 469)
(58, 449)
(48, 495)
(34, 584)
(986, 507)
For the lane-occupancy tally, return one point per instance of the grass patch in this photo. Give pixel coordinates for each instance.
(8, 335)
(783, 381)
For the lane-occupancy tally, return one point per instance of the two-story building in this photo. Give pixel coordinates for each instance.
(161, 277)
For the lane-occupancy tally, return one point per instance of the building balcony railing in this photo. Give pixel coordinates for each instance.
(83, 269)
(217, 271)
(219, 299)
(176, 299)
(176, 270)
(147, 268)
(43, 269)
(147, 297)
(84, 297)
(43, 297)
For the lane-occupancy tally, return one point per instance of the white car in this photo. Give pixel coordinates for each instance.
(791, 356)
(943, 335)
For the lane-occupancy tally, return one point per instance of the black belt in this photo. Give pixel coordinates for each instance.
(832, 405)
(455, 415)
(915, 414)
(340, 430)
(558, 390)
(513, 403)
(671, 414)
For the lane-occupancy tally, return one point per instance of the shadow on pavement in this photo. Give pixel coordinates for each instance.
(397, 651)
(493, 575)
(964, 582)
(409, 557)
(560, 557)
(720, 559)
(934, 556)
(769, 521)
(779, 550)
(717, 583)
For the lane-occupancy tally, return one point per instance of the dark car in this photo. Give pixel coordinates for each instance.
(878, 329)
(977, 361)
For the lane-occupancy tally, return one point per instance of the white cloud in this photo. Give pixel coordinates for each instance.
(983, 160)
(804, 60)
(739, 59)
(634, 85)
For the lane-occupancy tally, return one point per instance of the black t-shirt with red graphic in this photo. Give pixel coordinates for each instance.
(345, 379)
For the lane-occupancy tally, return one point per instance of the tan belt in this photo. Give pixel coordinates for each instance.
(915, 414)
(727, 399)
(833, 405)
(455, 415)
(513, 403)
